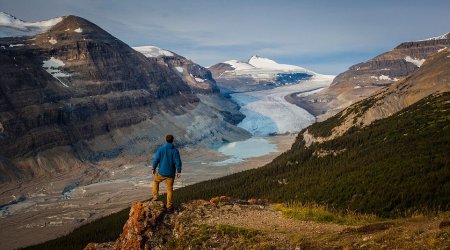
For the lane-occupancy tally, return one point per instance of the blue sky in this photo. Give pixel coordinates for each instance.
(324, 36)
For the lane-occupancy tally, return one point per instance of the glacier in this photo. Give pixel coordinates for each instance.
(268, 113)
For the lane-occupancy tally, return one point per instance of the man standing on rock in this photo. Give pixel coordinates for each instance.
(169, 162)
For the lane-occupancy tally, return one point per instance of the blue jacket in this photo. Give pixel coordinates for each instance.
(168, 159)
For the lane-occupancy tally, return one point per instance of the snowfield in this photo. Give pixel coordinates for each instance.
(53, 66)
(152, 51)
(417, 62)
(267, 112)
(260, 68)
(13, 27)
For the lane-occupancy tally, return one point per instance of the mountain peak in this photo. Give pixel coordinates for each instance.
(255, 57)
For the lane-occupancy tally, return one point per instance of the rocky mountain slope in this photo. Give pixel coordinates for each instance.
(224, 223)
(256, 74)
(198, 78)
(72, 95)
(363, 79)
(432, 77)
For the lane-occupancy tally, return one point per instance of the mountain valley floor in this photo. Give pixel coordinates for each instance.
(53, 207)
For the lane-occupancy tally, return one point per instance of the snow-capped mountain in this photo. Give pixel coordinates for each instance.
(257, 63)
(257, 73)
(14, 27)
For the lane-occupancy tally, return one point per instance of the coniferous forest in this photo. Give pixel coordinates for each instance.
(394, 167)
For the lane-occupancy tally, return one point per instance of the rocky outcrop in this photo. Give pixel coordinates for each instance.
(149, 226)
(226, 223)
(363, 79)
(77, 88)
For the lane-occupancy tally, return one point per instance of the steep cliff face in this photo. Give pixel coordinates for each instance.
(77, 87)
(363, 79)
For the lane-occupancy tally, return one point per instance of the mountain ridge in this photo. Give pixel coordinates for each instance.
(68, 86)
(365, 78)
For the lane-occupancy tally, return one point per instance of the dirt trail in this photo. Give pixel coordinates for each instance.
(267, 219)
(418, 232)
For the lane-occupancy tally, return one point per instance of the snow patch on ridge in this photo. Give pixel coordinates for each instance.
(443, 36)
(417, 62)
(152, 51)
(441, 49)
(265, 63)
(384, 77)
(14, 27)
(78, 30)
(238, 65)
(52, 66)
(179, 69)
(53, 41)
(199, 79)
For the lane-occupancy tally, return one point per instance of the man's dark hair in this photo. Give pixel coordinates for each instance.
(169, 138)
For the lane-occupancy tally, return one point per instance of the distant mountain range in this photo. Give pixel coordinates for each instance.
(257, 73)
(363, 79)
(72, 95)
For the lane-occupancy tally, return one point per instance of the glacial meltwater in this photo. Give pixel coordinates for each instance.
(240, 150)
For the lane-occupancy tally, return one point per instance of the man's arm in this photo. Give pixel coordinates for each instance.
(178, 163)
(156, 160)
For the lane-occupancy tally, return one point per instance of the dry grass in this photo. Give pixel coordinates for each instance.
(320, 213)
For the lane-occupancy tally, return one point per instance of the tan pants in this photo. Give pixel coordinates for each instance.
(169, 187)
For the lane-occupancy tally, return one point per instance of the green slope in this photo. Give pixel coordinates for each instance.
(394, 167)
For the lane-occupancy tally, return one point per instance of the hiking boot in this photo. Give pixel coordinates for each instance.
(170, 210)
(154, 199)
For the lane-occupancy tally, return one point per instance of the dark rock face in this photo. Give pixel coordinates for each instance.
(75, 82)
(219, 68)
(106, 76)
(198, 78)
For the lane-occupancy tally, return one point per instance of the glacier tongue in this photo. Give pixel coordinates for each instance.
(267, 112)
